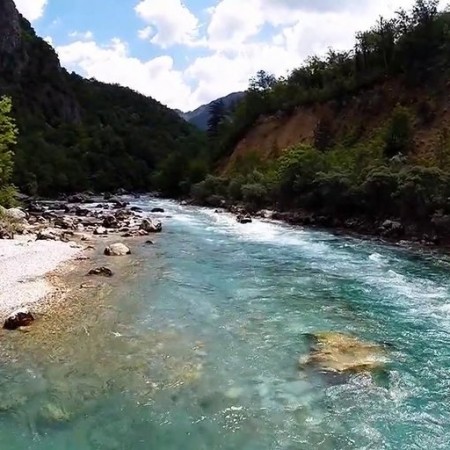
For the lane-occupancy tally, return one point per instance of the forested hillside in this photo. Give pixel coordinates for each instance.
(359, 134)
(77, 134)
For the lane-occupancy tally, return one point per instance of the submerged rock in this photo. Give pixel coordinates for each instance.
(157, 210)
(101, 271)
(21, 318)
(118, 249)
(342, 353)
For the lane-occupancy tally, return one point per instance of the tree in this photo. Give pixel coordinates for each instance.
(262, 82)
(216, 115)
(8, 138)
(398, 138)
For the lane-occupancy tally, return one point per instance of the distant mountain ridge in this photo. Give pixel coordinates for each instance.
(200, 116)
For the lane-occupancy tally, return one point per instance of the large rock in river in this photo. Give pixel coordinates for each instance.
(118, 249)
(151, 226)
(342, 353)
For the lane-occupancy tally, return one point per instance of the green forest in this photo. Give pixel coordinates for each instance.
(76, 134)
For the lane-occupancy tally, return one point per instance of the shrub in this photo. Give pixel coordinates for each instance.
(255, 194)
(398, 137)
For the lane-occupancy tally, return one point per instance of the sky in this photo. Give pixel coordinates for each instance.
(188, 53)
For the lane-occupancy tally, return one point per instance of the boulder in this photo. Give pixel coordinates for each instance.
(244, 219)
(342, 353)
(157, 210)
(392, 228)
(21, 318)
(265, 214)
(151, 226)
(82, 212)
(101, 271)
(16, 214)
(36, 208)
(123, 214)
(118, 249)
(136, 209)
(100, 231)
(46, 235)
(78, 198)
(6, 233)
(110, 222)
(66, 223)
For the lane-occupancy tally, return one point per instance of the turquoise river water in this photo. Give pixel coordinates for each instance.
(200, 349)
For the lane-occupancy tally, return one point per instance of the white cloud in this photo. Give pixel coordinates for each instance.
(241, 37)
(84, 36)
(170, 22)
(113, 64)
(31, 9)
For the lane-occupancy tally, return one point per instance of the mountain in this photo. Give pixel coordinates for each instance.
(78, 134)
(200, 116)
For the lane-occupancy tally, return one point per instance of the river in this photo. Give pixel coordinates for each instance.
(200, 349)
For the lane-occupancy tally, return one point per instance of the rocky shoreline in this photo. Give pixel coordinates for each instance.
(433, 235)
(44, 243)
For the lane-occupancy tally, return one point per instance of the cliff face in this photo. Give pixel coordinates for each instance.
(30, 71)
(9, 30)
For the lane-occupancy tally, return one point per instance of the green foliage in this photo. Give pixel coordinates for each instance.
(399, 134)
(8, 137)
(255, 194)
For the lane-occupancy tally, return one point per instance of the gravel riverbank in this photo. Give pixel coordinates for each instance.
(24, 264)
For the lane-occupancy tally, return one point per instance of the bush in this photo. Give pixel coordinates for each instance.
(254, 194)
(398, 137)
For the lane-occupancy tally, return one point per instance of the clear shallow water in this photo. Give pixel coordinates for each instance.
(200, 350)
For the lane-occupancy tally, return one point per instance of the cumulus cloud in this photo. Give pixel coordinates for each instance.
(113, 64)
(169, 22)
(240, 38)
(31, 9)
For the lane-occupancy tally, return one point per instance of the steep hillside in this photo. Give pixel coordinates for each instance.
(78, 134)
(200, 116)
(361, 119)
(357, 139)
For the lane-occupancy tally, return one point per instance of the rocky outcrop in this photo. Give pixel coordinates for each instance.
(118, 249)
(21, 318)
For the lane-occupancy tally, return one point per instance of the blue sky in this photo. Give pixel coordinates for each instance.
(186, 53)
